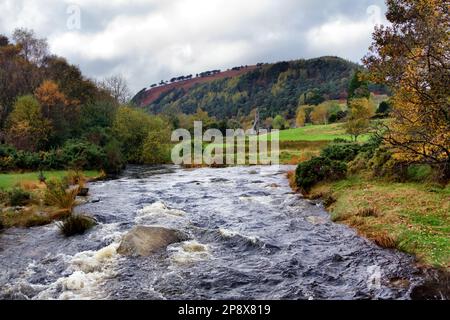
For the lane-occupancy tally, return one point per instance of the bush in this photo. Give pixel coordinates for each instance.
(419, 172)
(77, 154)
(27, 160)
(83, 155)
(115, 161)
(341, 152)
(318, 169)
(359, 163)
(340, 140)
(76, 224)
(4, 197)
(18, 197)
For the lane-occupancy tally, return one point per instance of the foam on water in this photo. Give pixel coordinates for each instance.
(188, 252)
(158, 208)
(231, 234)
(88, 270)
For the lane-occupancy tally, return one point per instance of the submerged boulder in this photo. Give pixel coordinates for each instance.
(146, 240)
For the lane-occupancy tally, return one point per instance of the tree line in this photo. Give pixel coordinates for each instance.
(52, 116)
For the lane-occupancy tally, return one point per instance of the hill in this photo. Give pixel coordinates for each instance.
(148, 96)
(276, 88)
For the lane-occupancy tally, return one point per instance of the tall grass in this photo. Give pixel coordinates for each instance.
(76, 224)
(59, 196)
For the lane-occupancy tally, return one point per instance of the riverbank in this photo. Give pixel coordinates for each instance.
(12, 179)
(411, 217)
(25, 199)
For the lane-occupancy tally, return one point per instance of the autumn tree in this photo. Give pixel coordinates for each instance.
(320, 114)
(57, 109)
(360, 112)
(268, 123)
(50, 98)
(300, 119)
(412, 57)
(27, 129)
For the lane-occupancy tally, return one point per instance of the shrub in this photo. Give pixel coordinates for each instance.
(18, 197)
(115, 161)
(4, 197)
(341, 152)
(419, 172)
(383, 164)
(76, 224)
(7, 163)
(52, 159)
(340, 140)
(57, 195)
(27, 160)
(358, 164)
(318, 169)
(83, 155)
(8, 155)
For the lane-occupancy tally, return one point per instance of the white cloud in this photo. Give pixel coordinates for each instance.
(342, 36)
(155, 39)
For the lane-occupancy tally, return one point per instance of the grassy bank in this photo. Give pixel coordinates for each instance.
(412, 217)
(9, 180)
(26, 202)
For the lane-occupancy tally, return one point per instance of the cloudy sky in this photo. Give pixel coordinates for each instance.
(150, 40)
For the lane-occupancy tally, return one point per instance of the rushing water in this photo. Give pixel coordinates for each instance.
(251, 237)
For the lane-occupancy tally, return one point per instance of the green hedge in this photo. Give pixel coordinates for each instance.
(319, 169)
(79, 154)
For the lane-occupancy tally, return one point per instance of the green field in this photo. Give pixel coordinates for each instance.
(317, 133)
(9, 180)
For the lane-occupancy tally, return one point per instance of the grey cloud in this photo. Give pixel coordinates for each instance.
(151, 40)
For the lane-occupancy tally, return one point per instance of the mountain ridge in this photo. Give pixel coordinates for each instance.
(273, 88)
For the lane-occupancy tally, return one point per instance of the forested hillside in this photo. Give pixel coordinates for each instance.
(53, 117)
(274, 88)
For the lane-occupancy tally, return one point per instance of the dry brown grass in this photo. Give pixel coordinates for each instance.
(291, 178)
(384, 240)
(368, 212)
(58, 196)
(31, 185)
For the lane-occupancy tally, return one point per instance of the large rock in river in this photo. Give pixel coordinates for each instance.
(144, 241)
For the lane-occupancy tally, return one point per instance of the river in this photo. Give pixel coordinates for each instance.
(251, 237)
